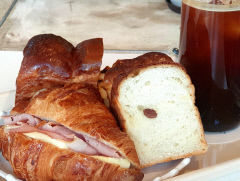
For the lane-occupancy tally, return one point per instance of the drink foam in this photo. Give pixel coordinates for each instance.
(228, 5)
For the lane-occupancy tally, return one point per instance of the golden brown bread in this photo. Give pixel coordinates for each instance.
(57, 82)
(51, 61)
(1, 136)
(80, 108)
(35, 160)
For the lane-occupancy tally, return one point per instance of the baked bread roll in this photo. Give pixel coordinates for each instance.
(77, 138)
(153, 98)
(59, 128)
(50, 61)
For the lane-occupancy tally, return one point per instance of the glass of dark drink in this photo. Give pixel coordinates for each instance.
(210, 51)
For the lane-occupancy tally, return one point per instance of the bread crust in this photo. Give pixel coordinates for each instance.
(81, 109)
(123, 69)
(34, 160)
(50, 61)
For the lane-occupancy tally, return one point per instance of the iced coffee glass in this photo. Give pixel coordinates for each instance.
(210, 51)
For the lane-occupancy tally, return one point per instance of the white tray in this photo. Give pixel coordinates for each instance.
(221, 162)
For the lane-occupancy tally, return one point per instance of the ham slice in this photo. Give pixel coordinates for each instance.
(55, 135)
(58, 129)
(22, 128)
(79, 145)
(101, 147)
(11, 120)
(25, 128)
(78, 142)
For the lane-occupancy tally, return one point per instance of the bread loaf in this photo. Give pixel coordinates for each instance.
(50, 61)
(153, 98)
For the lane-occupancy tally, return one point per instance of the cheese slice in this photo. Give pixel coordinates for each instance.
(124, 163)
(43, 137)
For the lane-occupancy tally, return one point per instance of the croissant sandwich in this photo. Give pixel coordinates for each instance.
(60, 129)
(76, 138)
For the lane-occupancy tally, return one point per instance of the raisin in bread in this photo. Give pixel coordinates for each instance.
(153, 99)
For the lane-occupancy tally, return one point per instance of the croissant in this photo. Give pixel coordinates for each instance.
(88, 146)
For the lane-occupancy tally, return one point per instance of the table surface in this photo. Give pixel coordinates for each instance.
(124, 25)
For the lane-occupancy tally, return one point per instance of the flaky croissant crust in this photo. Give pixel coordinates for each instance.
(35, 160)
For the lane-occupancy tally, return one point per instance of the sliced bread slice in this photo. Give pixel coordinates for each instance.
(153, 98)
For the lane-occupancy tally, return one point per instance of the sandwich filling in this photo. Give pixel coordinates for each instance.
(62, 137)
